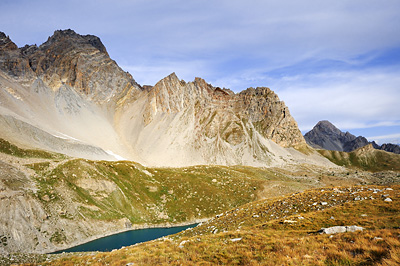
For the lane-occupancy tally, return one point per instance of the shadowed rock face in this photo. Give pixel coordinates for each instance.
(390, 147)
(326, 136)
(69, 87)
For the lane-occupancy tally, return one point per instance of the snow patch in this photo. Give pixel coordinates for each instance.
(116, 156)
(64, 136)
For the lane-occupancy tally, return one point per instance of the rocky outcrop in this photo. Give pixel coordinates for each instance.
(6, 44)
(340, 229)
(67, 58)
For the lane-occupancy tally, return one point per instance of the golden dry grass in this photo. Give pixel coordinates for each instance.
(250, 238)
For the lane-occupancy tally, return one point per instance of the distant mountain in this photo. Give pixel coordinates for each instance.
(326, 136)
(395, 148)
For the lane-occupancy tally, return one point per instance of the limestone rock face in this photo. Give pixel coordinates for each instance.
(196, 123)
(69, 88)
(226, 114)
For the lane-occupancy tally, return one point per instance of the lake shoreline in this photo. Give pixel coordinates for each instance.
(133, 228)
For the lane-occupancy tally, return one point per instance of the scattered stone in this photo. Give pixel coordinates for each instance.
(324, 203)
(388, 200)
(46, 197)
(289, 222)
(183, 243)
(353, 228)
(378, 238)
(389, 188)
(214, 180)
(340, 229)
(256, 216)
(236, 239)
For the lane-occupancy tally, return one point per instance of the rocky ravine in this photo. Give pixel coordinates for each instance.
(68, 96)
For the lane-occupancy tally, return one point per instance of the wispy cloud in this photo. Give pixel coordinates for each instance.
(391, 138)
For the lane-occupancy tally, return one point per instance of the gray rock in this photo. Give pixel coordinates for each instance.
(340, 229)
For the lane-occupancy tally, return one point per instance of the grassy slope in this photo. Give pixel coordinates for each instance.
(365, 158)
(77, 189)
(141, 194)
(183, 194)
(282, 231)
(11, 149)
(113, 190)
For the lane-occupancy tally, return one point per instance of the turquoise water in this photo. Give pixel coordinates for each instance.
(127, 238)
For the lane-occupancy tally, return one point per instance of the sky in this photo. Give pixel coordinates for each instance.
(330, 60)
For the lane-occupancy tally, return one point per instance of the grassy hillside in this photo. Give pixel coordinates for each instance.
(113, 190)
(282, 231)
(366, 158)
(11, 149)
(255, 223)
(67, 201)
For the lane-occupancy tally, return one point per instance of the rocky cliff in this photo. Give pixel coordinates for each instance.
(70, 89)
(196, 123)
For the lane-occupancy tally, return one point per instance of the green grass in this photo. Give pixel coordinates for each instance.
(148, 195)
(245, 239)
(368, 160)
(11, 149)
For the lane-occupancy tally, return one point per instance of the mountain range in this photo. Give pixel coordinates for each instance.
(86, 151)
(68, 96)
(326, 136)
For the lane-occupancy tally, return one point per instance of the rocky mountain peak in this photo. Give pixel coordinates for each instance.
(327, 127)
(67, 58)
(327, 136)
(69, 39)
(5, 43)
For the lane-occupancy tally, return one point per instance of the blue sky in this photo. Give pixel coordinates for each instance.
(328, 60)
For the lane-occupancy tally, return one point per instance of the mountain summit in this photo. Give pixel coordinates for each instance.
(67, 95)
(326, 136)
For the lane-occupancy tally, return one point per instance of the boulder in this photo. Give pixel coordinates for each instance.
(340, 229)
